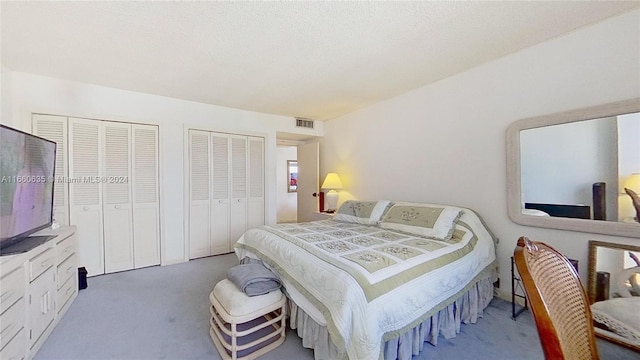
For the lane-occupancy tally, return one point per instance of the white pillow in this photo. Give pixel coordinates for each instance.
(361, 212)
(429, 220)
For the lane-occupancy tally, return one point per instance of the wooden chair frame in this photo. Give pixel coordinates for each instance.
(555, 342)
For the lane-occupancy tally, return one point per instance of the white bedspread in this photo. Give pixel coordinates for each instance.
(366, 303)
(620, 315)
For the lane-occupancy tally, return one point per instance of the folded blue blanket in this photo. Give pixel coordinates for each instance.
(253, 279)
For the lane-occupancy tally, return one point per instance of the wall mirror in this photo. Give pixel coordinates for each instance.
(292, 176)
(568, 170)
(614, 292)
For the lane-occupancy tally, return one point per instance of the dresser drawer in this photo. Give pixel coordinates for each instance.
(65, 292)
(16, 348)
(66, 270)
(11, 322)
(65, 248)
(41, 263)
(12, 289)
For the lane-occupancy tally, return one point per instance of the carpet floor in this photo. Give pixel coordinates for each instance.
(163, 313)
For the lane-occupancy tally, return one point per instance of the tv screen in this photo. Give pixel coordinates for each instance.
(26, 184)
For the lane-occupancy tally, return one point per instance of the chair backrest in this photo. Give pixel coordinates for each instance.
(557, 300)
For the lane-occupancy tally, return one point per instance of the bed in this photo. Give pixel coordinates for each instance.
(381, 278)
(619, 317)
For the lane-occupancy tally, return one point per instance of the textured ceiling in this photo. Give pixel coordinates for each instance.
(310, 59)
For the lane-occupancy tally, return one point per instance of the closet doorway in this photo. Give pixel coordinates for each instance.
(225, 189)
(107, 185)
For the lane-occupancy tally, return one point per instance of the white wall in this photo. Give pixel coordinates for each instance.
(560, 163)
(5, 108)
(610, 260)
(287, 202)
(27, 93)
(629, 149)
(445, 143)
(628, 261)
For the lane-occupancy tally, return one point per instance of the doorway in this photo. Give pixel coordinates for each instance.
(301, 204)
(287, 195)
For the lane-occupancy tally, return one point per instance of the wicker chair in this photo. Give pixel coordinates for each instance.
(557, 300)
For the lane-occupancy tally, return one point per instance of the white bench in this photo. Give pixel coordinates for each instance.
(243, 327)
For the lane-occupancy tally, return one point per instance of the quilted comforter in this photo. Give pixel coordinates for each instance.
(371, 284)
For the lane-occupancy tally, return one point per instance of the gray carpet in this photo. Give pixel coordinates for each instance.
(163, 313)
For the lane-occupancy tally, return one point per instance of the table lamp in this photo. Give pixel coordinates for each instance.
(633, 182)
(333, 183)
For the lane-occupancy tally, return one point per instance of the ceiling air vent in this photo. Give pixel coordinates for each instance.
(305, 123)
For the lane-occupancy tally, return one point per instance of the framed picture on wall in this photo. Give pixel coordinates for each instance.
(292, 175)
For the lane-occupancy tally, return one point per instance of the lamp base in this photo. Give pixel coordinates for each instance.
(331, 200)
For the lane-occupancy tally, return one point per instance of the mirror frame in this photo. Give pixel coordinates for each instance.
(513, 171)
(591, 282)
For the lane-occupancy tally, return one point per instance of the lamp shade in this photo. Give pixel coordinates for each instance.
(633, 182)
(332, 181)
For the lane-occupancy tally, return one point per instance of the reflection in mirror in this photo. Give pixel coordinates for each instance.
(577, 170)
(574, 169)
(614, 291)
(292, 176)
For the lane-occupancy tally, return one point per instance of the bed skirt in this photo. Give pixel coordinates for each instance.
(465, 309)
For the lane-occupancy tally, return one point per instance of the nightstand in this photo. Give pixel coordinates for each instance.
(517, 291)
(320, 215)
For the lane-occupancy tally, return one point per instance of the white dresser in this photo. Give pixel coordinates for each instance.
(36, 289)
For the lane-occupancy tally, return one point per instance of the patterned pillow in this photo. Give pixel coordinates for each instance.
(429, 220)
(361, 212)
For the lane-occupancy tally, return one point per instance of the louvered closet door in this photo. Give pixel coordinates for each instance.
(220, 159)
(255, 201)
(116, 197)
(239, 188)
(54, 128)
(146, 203)
(85, 142)
(199, 197)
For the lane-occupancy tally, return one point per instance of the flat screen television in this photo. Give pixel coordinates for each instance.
(27, 164)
